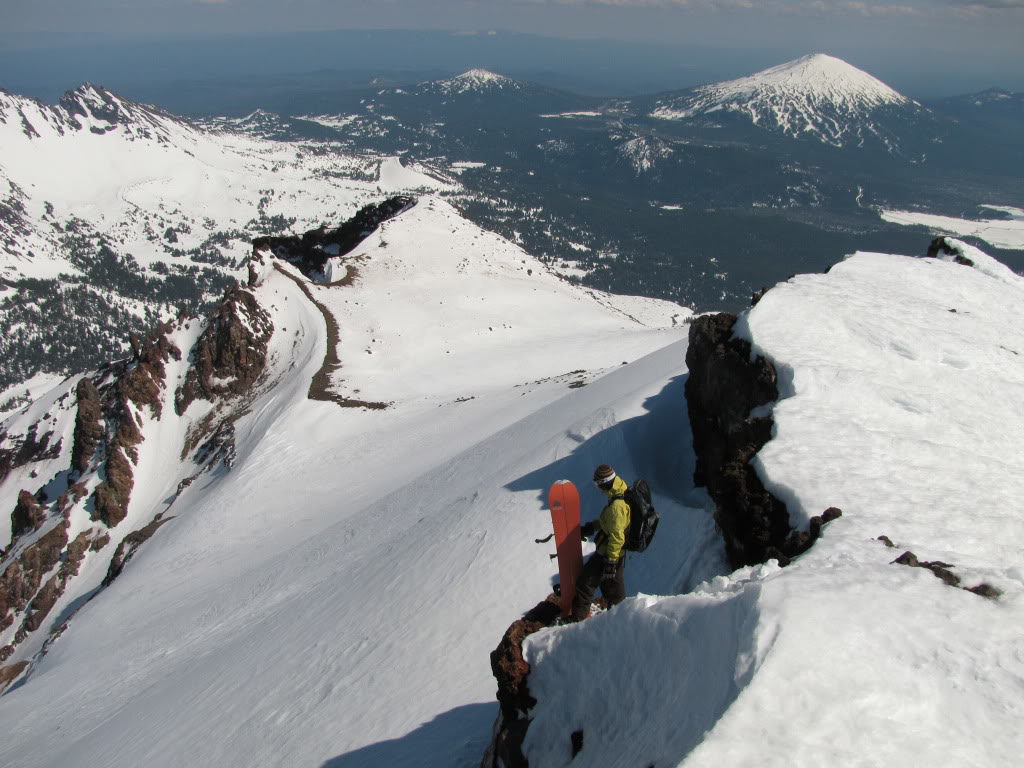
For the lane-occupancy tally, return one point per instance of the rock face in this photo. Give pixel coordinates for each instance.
(311, 251)
(724, 389)
(138, 385)
(231, 354)
(511, 670)
(26, 448)
(42, 557)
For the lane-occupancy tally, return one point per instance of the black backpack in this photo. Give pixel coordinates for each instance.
(643, 518)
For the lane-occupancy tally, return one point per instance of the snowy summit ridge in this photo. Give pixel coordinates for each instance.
(816, 96)
(477, 80)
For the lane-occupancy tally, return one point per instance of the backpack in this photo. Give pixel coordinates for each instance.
(643, 518)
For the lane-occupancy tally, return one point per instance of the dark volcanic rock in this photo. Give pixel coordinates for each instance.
(941, 246)
(9, 674)
(28, 515)
(88, 425)
(231, 354)
(23, 577)
(129, 546)
(26, 448)
(311, 251)
(725, 385)
(511, 670)
(943, 572)
(138, 382)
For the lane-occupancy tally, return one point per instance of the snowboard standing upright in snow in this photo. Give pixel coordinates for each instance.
(564, 502)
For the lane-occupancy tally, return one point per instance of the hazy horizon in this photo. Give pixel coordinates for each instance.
(163, 70)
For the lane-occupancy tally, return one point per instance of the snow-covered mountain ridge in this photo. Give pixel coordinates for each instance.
(334, 549)
(428, 322)
(899, 383)
(127, 214)
(817, 96)
(476, 80)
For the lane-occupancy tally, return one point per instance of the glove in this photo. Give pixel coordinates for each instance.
(586, 531)
(610, 567)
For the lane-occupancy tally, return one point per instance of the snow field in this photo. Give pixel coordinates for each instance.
(1001, 233)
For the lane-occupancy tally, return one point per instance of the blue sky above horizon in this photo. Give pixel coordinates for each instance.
(911, 37)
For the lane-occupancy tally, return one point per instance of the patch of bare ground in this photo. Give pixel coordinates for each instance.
(319, 387)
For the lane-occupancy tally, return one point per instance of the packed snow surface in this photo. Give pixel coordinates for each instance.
(1001, 233)
(815, 96)
(901, 383)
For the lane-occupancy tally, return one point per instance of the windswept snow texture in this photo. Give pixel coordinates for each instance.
(816, 96)
(901, 384)
(332, 599)
(1001, 233)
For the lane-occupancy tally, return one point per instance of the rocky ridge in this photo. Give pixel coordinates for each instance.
(728, 393)
(200, 376)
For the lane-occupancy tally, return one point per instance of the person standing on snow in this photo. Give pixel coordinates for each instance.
(606, 566)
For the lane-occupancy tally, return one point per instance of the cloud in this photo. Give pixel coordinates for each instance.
(858, 7)
(997, 4)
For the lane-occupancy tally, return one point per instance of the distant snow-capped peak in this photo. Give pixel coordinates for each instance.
(815, 96)
(87, 108)
(477, 80)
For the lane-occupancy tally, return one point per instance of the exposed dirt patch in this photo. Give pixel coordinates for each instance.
(319, 387)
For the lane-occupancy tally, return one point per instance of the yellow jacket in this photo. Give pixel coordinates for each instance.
(613, 523)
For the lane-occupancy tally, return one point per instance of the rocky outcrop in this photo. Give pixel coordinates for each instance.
(725, 392)
(940, 246)
(88, 425)
(130, 545)
(138, 385)
(941, 571)
(311, 251)
(20, 450)
(9, 674)
(231, 354)
(28, 515)
(511, 670)
(23, 578)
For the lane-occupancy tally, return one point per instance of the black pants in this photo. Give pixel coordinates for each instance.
(592, 576)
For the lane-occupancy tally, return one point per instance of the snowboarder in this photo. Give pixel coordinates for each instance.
(605, 568)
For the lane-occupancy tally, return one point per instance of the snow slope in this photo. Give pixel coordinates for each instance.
(1001, 233)
(332, 599)
(901, 385)
(817, 96)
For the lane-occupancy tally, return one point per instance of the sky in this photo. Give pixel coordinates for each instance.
(906, 37)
